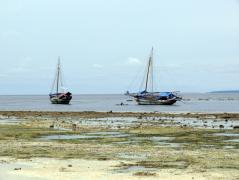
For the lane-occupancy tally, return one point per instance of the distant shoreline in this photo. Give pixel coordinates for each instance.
(233, 91)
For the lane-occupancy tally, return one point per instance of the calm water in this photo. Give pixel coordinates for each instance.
(192, 103)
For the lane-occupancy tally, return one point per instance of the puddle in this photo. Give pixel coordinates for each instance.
(232, 140)
(66, 137)
(163, 141)
(9, 121)
(229, 147)
(108, 134)
(130, 138)
(227, 134)
(158, 138)
(232, 135)
(96, 135)
(154, 140)
(134, 169)
(172, 145)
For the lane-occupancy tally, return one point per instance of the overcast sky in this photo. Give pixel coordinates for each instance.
(104, 44)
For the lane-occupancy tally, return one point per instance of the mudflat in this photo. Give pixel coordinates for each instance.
(113, 145)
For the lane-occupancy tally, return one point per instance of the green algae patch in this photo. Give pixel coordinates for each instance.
(150, 147)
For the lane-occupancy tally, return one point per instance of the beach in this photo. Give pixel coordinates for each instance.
(119, 90)
(116, 145)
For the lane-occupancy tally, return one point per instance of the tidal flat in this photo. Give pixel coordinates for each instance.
(101, 145)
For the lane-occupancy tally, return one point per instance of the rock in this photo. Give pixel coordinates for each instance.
(74, 127)
(17, 169)
(102, 159)
(221, 126)
(69, 165)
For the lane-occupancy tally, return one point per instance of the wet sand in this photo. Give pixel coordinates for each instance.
(108, 145)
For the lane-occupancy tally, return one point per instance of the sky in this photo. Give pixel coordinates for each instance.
(104, 45)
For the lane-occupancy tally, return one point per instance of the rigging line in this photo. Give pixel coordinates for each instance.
(133, 82)
(144, 77)
(63, 82)
(147, 77)
(152, 70)
(54, 81)
(62, 79)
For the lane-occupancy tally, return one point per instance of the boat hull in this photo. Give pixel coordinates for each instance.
(156, 98)
(59, 101)
(156, 102)
(60, 98)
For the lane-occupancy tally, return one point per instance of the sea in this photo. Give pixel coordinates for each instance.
(192, 102)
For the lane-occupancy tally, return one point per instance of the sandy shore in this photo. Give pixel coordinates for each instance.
(53, 169)
(108, 145)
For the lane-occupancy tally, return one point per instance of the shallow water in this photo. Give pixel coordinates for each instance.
(124, 138)
(233, 140)
(9, 120)
(227, 134)
(234, 136)
(194, 102)
(88, 136)
(135, 169)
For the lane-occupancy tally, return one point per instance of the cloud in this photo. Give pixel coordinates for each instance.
(133, 61)
(97, 66)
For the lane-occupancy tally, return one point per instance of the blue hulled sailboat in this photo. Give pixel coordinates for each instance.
(148, 96)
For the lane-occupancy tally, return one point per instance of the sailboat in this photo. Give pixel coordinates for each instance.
(58, 94)
(148, 96)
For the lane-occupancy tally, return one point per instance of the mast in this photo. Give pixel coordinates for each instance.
(58, 75)
(152, 70)
(148, 70)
